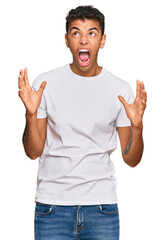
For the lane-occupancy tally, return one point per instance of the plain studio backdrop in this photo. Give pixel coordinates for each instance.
(32, 35)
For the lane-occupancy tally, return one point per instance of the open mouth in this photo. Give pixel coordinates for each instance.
(84, 56)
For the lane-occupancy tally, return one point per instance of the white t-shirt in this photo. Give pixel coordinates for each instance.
(82, 112)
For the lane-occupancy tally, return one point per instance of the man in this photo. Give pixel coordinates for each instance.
(73, 114)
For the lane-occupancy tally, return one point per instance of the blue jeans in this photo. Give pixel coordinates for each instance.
(78, 222)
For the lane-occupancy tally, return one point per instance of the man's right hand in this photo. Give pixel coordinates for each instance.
(30, 98)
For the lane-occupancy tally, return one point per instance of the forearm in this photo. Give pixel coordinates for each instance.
(31, 139)
(134, 150)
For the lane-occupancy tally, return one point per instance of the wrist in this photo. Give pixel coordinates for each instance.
(30, 116)
(138, 127)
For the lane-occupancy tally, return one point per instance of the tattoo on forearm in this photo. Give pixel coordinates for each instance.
(129, 145)
(26, 134)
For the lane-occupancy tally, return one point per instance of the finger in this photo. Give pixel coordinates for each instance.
(143, 106)
(141, 90)
(21, 72)
(137, 88)
(145, 95)
(123, 101)
(20, 85)
(26, 76)
(42, 87)
(20, 93)
(20, 79)
(142, 85)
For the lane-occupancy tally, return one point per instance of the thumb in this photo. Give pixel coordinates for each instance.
(42, 87)
(122, 100)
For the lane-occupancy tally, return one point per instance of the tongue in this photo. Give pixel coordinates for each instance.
(84, 56)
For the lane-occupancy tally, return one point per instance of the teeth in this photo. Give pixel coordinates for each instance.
(83, 50)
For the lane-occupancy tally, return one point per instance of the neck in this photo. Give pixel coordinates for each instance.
(91, 72)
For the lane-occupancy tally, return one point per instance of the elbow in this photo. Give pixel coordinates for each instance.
(132, 163)
(32, 156)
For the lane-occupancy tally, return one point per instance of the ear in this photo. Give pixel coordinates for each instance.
(66, 40)
(103, 39)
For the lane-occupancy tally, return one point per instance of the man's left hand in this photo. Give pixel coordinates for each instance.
(136, 110)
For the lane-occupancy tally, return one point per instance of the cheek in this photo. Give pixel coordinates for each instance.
(73, 44)
(72, 47)
(95, 50)
(73, 51)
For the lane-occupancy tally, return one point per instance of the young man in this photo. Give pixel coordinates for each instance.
(73, 114)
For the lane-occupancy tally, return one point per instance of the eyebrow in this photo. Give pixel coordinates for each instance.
(74, 28)
(94, 28)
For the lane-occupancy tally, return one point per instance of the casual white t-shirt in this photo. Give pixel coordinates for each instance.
(82, 115)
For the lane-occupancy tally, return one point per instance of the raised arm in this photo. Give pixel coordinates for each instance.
(35, 129)
(131, 138)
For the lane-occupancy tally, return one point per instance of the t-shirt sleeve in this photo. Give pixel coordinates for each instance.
(122, 119)
(42, 109)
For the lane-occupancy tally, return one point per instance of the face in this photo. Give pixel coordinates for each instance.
(84, 40)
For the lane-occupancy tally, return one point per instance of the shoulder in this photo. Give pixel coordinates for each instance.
(49, 76)
(53, 73)
(118, 86)
(116, 81)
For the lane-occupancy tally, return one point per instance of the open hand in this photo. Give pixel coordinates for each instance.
(136, 110)
(30, 98)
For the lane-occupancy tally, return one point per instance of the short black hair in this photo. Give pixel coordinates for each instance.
(85, 12)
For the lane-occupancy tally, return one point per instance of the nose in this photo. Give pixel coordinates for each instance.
(83, 40)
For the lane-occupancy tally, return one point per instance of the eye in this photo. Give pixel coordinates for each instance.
(92, 34)
(75, 34)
